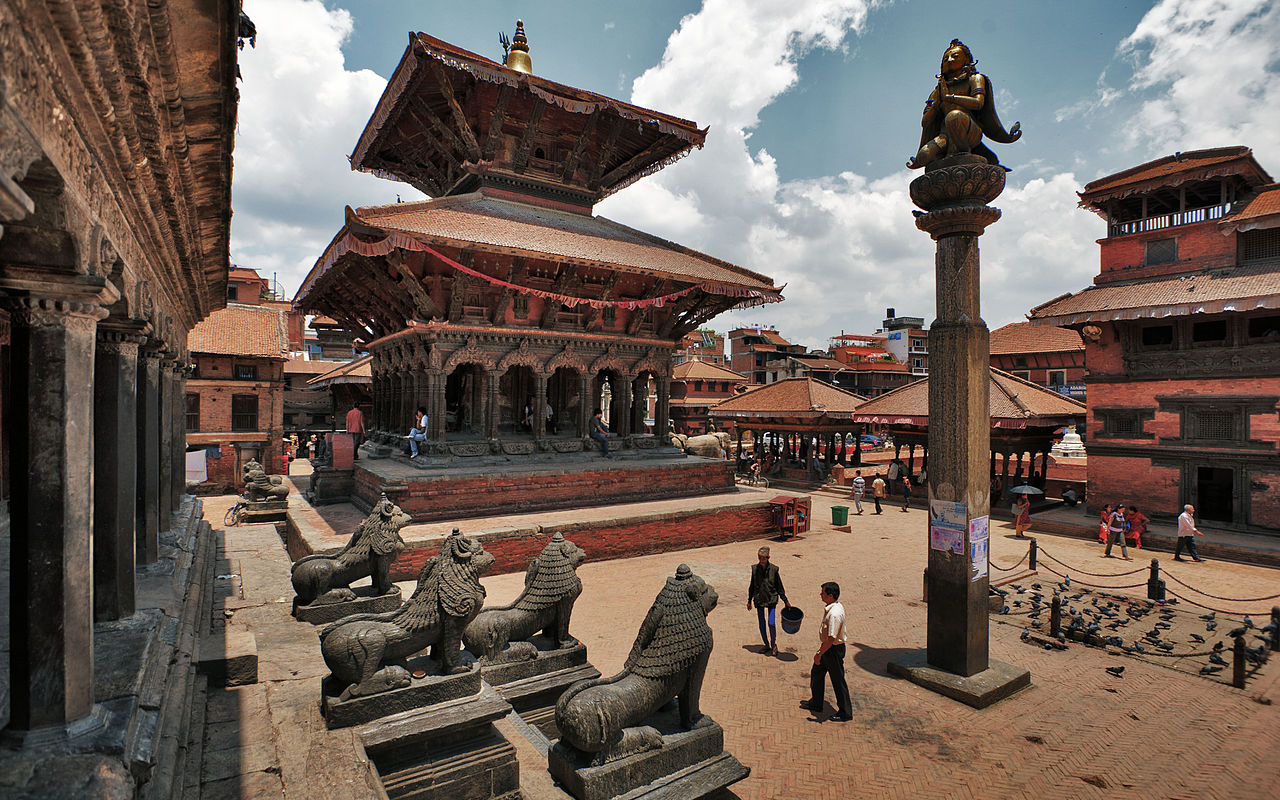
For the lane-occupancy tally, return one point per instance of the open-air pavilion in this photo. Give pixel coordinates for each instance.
(795, 422)
(1024, 418)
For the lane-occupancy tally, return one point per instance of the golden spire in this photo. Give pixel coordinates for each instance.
(518, 57)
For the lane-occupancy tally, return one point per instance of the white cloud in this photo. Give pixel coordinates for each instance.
(301, 112)
(845, 245)
(1206, 75)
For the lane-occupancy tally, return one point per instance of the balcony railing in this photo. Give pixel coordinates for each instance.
(1168, 220)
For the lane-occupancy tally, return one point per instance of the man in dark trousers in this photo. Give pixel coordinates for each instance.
(829, 660)
(765, 589)
(597, 430)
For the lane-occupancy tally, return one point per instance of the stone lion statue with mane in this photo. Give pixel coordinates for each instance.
(369, 553)
(551, 586)
(603, 717)
(259, 486)
(365, 652)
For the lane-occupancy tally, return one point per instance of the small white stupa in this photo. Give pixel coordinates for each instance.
(1070, 447)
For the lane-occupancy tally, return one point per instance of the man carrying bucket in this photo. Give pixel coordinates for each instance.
(765, 589)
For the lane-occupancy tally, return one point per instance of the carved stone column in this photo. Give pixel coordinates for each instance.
(662, 414)
(623, 387)
(436, 422)
(539, 405)
(178, 442)
(491, 378)
(51, 448)
(166, 440)
(148, 457)
(585, 407)
(115, 447)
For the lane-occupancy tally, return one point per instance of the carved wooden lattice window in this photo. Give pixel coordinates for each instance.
(193, 413)
(244, 412)
(1263, 245)
(1124, 423)
(521, 305)
(1211, 424)
(1162, 251)
(1122, 426)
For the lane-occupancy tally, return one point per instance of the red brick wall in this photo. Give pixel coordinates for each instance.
(1200, 246)
(659, 534)
(1133, 480)
(440, 498)
(215, 386)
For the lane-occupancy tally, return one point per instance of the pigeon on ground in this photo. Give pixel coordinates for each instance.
(1248, 621)
(1268, 628)
(1017, 588)
(1237, 632)
(1256, 654)
(1164, 625)
(1048, 646)
(1026, 634)
(1117, 671)
(1211, 626)
(1209, 670)
(1165, 646)
(1035, 586)
(1017, 604)
(1004, 610)
(1214, 658)
(1197, 637)
(1138, 646)
(1209, 616)
(1218, 646)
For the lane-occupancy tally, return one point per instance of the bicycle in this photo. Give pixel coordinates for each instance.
(235, 514)
(752, 480)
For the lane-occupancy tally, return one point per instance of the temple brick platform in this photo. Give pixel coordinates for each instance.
(492, 490)
(620, 531)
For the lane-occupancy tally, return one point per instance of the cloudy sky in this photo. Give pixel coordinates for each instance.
(813, 105)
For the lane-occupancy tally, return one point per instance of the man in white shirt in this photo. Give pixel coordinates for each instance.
(829, 660)
(1187, 531)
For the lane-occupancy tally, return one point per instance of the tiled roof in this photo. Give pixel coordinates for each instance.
(704, 370)
(1175, 169)
(301, 366)
(240, 330)
(791, 396)
(357, 371)
(1014, 403)
(1256, 211)
(820, 363)
(537, 231)
(1022, 337)
(1209, 292)
(323, 321)
(773, 337)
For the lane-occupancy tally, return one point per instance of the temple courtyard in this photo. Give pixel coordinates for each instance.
(1161, 730)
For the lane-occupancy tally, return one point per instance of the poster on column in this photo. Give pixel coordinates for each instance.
(946, 526)
(979, 535)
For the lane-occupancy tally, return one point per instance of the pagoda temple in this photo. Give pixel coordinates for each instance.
(503, 306)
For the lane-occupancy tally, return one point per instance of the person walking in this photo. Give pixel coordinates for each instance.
(1187, 531)
(1137, 524)
(829, 660)
(355, 427)
(1105, 528)
(906, 491)
(1115, 532)
(1023, 520)
(859, 488)
(879, 491)
(764, 591)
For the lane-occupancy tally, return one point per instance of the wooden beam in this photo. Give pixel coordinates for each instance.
(619, 172)
(678, 308)
(606, 153)
(458, 289)
(496, 119)
(563, 281)
(426, 308)
(575, 155)
(596, 320)
(514, 275)
(521, 156)
(459, 119)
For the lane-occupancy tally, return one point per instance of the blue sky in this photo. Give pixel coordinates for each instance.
(813, 108)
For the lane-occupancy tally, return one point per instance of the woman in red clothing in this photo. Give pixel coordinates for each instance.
(1023, 520)
(1137, 525)
(1105, 519)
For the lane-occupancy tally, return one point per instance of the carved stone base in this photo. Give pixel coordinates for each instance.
(445, 752)
(330, 485)
(689, 765)
(366, 602)
(265, 511)
(996, 682)
(548, 659)
(421, 692)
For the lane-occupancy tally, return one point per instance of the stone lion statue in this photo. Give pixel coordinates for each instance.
(710, 445)
(362, 650)
(259, 486)
(668, 660)
(372, 548)
(551, 586)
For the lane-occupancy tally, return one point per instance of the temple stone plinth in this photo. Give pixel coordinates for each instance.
(954, 193)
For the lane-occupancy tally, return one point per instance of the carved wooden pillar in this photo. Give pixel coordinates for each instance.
(1044, 468)
(585, 407)
(166, 440)
(539, 405)
(662, 414)
(50, 427)
(178, 433)
(148, 457)
(436, 421)
(115, 447)
(491, 379)
(623, 386)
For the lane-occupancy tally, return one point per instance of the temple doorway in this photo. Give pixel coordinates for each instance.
(1214, 493)
(464, 401)
(516, 400)
(564, 402)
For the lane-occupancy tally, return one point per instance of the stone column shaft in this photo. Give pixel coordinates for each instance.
(662, 414)
(491, 379)
(165, 443)
(115, 448)
(584, 404)
(148, 458)
(178, 444)
(539, 405)
(51, 447)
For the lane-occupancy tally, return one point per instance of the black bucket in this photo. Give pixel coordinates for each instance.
(791, 619)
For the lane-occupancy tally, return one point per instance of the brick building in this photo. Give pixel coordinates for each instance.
(1044, 355)
(307, 407)
(907, 341)
(751, 349)
(704, 345)
(695, 387)
(872, 369)
(235, 395)
(1182, 338)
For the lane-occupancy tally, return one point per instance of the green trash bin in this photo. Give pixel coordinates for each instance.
(839, 515)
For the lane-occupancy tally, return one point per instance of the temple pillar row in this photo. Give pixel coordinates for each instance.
(492, 376)
(165, 416)
(662, 414)
(148, 456)
(178, 440)
(584, 403)
(539, 405)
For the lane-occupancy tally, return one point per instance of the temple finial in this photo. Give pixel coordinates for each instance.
(518, 56)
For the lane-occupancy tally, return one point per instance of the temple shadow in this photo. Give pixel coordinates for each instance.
(875, 660)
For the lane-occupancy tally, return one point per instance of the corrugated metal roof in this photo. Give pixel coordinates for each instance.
(539, 231)
(241, 330)
(1209, 292)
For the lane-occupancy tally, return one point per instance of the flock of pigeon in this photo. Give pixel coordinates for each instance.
(1099, 618)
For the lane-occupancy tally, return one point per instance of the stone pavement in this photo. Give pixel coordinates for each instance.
(1076, 732)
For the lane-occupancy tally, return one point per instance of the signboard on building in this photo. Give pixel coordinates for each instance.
(1075, 390)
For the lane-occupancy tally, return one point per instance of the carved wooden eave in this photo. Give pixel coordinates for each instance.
(450, 120)
(132, 106)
